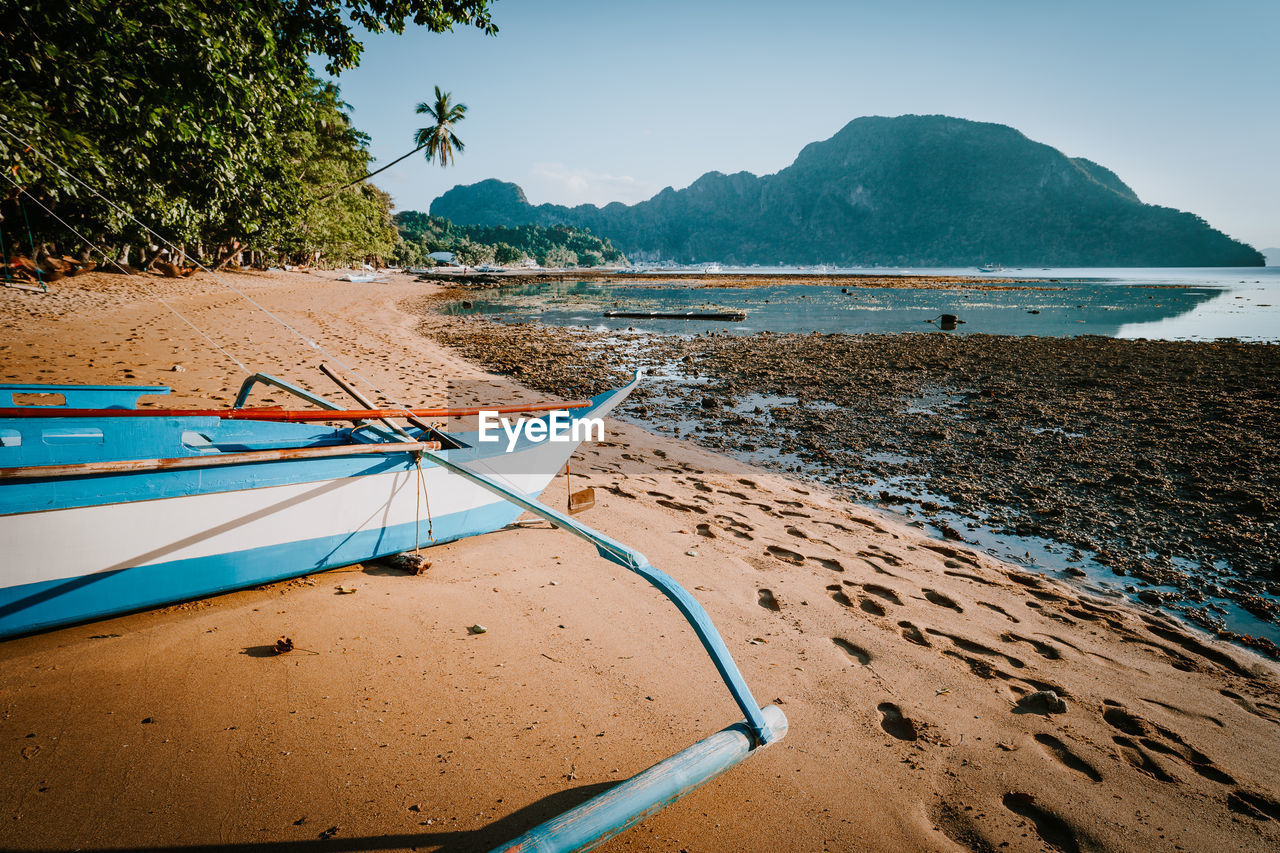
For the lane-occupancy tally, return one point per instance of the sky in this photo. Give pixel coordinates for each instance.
(593, 102)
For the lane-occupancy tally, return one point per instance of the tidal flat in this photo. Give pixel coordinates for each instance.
(1142, 468)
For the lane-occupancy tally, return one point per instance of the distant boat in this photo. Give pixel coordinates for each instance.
(713, 268)
(991, 268)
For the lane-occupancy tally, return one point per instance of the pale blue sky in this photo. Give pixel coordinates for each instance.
(581, 101)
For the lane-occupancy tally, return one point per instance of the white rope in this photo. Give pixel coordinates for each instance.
(148, 290)
(161, 239)
(479, 462)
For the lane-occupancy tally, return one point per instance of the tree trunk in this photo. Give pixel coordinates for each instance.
(152, 257)
(233, 249)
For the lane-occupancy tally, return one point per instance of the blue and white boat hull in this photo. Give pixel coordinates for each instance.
(79, 548)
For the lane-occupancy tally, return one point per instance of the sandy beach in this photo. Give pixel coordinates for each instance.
(897, 658)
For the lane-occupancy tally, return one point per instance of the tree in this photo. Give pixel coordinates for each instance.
(505, 253)
(439, 139)
(180, 112)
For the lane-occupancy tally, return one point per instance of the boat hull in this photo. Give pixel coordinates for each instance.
(81, 548)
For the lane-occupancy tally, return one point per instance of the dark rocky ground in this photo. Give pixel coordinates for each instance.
(1160, 458)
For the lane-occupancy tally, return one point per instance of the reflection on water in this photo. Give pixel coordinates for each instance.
(1159, 304)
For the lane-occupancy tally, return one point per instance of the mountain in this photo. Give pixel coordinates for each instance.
(910, 190)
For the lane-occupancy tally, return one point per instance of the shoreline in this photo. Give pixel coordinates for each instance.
(899, 659)
(1012, 431)
(481, 281)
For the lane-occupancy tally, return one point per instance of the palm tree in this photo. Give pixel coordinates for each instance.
(439, 140)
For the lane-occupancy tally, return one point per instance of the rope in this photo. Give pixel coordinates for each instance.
(4, 256)
(161, 239)
(30, 239)
(417, 459)
(148, 290)
(481, 463)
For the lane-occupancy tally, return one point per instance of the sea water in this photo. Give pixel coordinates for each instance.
(1156, 304)
(1159, 304)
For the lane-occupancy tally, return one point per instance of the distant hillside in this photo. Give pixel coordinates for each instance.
(911, 190)
(558, 246)
(1272, 256)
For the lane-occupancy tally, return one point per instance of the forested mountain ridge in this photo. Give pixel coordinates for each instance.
(473, 245)
(910, 190)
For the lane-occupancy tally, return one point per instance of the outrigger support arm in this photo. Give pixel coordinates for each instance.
(267, 379)
(762, 732)
(627, 803)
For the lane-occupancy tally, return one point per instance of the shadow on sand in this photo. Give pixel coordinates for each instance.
(441, 841)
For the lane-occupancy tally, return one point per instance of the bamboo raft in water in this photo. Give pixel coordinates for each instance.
(678, 315)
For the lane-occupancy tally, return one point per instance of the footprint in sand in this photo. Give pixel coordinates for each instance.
(912, 633)
(1248, 706)
(856, 653)
(998, 609)
(976, 648)
(978, 666)
(786, 555)
(1139, 759)
(1052, 829)
(882, 592)
(1156, 738)
(895, 723)
(1043, 649)
(705, 530)
(1059, 750)
(748, 483)
(941, 600)
(838, 596)
(768, 600)
(873, 607)
(682, 507)
(1196, 647)
(969, 577)
(1253, 805)
(828, 563)
(888, 556)
(864, 522)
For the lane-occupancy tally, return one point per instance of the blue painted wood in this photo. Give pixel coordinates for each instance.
(27, 442)
(646, 793)
(39, 606)
(85, 396)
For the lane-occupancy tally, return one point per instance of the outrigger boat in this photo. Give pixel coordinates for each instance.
(107, 508)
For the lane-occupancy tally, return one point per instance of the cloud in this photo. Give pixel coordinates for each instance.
(560, 184)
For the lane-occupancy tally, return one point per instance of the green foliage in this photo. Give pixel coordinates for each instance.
(345, 226)
(560, 245)
(190, 115)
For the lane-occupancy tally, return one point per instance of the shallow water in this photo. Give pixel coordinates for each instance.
(1160, 304)
(1164, 304)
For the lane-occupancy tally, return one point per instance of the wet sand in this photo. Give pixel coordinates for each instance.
(897, 658)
